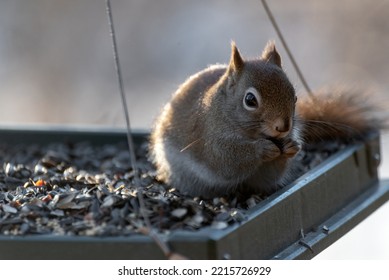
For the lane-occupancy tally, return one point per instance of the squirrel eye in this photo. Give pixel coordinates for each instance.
(295, 99)
(251, 99)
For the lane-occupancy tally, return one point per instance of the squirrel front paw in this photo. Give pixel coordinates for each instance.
(290, 148)
(270, 151)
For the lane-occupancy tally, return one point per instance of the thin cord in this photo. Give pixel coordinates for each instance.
(130, 141)
(299, 73)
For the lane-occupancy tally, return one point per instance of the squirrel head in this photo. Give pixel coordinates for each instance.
(259, 97)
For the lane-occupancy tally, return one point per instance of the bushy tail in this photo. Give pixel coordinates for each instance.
(340, 115)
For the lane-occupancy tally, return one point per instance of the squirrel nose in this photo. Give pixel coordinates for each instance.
(282, 125)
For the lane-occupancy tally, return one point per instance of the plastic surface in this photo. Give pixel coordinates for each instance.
(297, 222)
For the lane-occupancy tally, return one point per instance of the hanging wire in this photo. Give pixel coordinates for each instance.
(291, 57)
(150, 231)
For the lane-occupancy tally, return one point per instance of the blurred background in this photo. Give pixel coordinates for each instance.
(56, 63)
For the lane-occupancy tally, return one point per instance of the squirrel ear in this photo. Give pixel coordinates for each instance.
(236, 61)
(271, 55)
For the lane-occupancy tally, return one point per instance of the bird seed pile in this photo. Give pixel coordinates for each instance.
(82, 189)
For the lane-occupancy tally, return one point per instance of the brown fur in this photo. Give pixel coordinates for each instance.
(340, 114)
(206, 143)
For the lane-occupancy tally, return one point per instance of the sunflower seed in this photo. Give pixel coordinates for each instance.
(9, 209)
(219, 225)
(179, 213)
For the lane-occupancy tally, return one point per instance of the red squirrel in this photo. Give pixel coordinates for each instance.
(239, 126)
